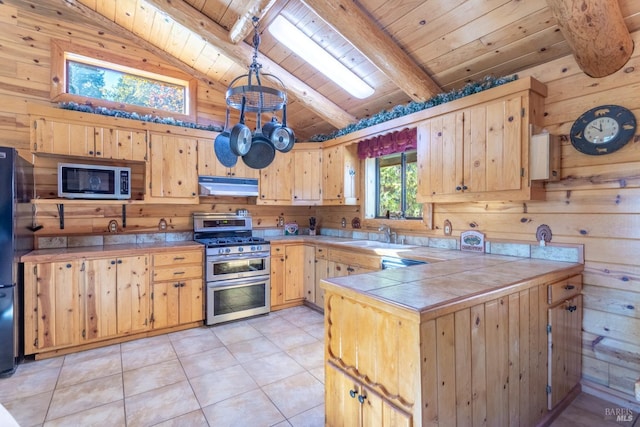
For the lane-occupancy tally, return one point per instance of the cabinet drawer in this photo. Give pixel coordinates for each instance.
(177, 272)
(277, 250)
(371, 262)
(565, 289)
(321, 252)
(177, 258)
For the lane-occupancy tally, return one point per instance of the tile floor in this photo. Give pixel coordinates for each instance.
(263, 371)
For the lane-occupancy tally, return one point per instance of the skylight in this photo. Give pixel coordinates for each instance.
(320, 59)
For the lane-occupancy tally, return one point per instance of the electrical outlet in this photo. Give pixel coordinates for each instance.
(447, 227)
(280, 221)
(162, 224)
(113, 226)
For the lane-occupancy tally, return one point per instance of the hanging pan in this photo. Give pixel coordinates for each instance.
(240, 140)
(222, 148)
(261, 153)
(283, 137)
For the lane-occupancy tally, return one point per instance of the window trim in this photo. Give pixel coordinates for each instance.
(59, 84)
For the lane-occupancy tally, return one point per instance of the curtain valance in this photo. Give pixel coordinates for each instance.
(390, 143)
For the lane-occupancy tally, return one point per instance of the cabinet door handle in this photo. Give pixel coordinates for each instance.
(458, 188)
(569, 287)
(352, 393)
(338, 268)
(119, 261)
(571, 308)
(464, 187)
(361, 398)
(178, 258)
(350, 270)
(176, 285)
(113, 262)
(176, 273)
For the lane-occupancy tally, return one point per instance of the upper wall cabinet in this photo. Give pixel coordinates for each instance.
(208, 163)
(480, 152)
(172, 172)
(293, 178)
(307, 172)
(340, 175)
(66, 138)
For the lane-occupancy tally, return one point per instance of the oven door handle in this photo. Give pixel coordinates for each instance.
(253, 255)
(240, 281)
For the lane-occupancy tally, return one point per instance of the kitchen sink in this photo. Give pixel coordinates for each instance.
(373, 244)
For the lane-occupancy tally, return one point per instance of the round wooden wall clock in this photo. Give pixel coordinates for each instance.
(603, 129)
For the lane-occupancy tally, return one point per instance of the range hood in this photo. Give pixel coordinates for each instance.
(227, 186)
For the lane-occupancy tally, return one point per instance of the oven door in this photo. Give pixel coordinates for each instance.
(236, 266)
(236, 299)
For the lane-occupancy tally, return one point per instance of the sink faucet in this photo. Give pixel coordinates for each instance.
(387, 232)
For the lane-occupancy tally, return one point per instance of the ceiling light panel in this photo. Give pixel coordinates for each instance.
(303, 46)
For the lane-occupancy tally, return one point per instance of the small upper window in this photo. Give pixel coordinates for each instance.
(152, 90)
(102, 80)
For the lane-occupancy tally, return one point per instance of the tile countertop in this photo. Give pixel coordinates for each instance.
(63, 254)
(458, 280)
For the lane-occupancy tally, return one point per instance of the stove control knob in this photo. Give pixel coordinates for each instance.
(221, 250)
(253, 248)
(259, 248)
(240, 249)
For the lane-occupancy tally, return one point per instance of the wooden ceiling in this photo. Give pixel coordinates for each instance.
(405, 49)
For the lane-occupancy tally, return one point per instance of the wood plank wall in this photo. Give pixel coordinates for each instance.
(597, 202)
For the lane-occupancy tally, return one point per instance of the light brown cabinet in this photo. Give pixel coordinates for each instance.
(359, 406)
(480, 152)
(208, 163)
(67, 138)
(276, 181)
(330, 262)
(177, 289)
(291, 267)
(565, 338)
(341, 175)
(307, 176)
(73, 302)
(172, 173)
(483, 362)
(52, 305)
(115, 297)
(293, 178)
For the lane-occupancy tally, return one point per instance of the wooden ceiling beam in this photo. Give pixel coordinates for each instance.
(242, 53)
(596, 32)
(244, 24)
(348, 19)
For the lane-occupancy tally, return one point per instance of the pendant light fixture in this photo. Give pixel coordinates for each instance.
(248, 94)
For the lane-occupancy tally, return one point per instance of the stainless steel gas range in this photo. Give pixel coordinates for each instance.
(237, 266)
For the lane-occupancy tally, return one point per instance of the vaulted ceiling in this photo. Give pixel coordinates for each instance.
(405, 49)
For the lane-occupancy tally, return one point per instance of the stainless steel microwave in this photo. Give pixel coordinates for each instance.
(78, 181)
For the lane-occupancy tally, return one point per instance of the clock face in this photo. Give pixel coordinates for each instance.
(603, 130)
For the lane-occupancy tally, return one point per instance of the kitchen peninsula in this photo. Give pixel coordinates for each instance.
(473, 340)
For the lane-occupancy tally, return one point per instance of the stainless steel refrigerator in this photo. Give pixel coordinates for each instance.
(16, 238)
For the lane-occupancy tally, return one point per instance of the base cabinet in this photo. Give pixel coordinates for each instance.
(291, 268)
(565, 338)
(82, 302)
(74, 302)
(482, 364)
(177, 289)
(357, 405)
